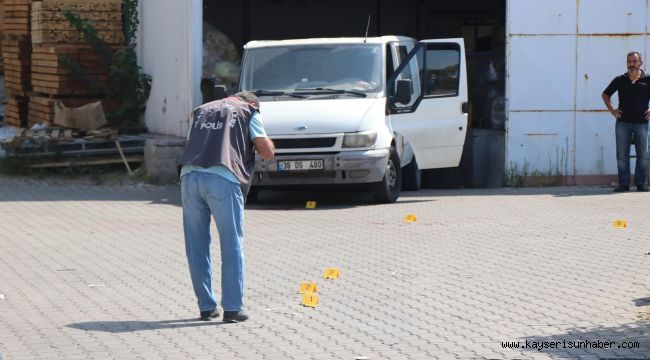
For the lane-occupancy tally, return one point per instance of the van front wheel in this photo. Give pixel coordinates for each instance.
(387, 190)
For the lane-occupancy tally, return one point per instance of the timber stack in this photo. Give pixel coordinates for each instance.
(2, 21)
(16, 55)
(64, 66)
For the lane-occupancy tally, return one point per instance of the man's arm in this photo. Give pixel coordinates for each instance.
(264, 147)
(608, 102)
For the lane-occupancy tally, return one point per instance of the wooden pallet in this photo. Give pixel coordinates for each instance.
(62, 134)
(65, 147)
(104, 160)
(50, 134)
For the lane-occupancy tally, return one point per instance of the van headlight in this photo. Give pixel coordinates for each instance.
(360, 139)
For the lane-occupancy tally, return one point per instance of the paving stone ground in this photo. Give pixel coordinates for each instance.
(99, 272)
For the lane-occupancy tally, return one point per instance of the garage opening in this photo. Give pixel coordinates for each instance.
(229, 25)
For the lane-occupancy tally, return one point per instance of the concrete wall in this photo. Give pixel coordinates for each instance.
(561, 56)
(170, 48)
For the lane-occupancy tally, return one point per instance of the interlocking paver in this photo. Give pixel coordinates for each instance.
(98, 271)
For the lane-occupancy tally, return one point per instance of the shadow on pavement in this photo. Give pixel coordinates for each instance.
(556, 191)
(27, 189)
(642, 301)
(325, 199)
(133, 326)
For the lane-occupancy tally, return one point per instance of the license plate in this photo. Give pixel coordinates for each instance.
(300, 165)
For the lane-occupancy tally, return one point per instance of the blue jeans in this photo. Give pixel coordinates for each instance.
(205, 195)
(624, 131)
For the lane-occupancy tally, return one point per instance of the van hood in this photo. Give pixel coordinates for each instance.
(318, 116)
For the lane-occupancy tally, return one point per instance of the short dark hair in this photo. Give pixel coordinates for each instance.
(632, 53)
(248, 97)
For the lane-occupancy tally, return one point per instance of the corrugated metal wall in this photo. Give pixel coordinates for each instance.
(561, 55)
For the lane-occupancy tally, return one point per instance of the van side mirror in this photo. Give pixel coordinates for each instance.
(403, 91)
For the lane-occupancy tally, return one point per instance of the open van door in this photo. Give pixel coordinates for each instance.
(427, 102)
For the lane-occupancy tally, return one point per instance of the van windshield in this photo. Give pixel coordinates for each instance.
(347, 67)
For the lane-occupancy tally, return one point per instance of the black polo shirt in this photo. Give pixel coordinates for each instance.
(633, 97)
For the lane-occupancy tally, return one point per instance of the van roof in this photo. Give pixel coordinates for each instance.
(319, 41)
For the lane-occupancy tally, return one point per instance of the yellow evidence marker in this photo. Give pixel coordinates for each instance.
(410, 218)
(332, 273)
(311, 205)
(308, 287)
(310, 300)
(620, 224)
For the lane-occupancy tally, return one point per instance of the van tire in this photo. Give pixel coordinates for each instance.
(411, 176)
(387, 190)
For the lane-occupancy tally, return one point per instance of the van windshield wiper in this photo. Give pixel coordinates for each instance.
(330, 91)
(277, 93)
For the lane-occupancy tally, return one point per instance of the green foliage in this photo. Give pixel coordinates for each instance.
(130, 20)
(126, 80)
(78, 72)
(516, 176)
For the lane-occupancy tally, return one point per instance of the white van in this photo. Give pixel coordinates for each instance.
(372, 111)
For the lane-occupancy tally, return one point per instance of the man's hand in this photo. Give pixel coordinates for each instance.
(264, 147)
(608, 102)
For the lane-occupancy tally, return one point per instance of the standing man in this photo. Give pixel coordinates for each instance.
(631, 120)
(216, 173)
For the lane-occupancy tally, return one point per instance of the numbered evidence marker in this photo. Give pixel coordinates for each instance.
(410, 218)
(620, 224)
(308, 287)
(310, 300)
(332, 273)
(311, 205)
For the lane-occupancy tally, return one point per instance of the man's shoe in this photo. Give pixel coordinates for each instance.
(641, 188)
(210, 314)
(621, 188)
(234, 316)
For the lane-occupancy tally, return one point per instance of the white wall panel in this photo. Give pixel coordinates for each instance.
(542, 17)
(611, 16)
(595, 144)
(540, 76)
(171, 44)
(543, 141)
(600, 59)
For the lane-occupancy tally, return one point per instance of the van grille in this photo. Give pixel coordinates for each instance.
(304, 143)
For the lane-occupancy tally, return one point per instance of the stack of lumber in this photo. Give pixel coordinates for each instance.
(16, 111)
(16, 55)
(49, 24)
(41, 108)
(16, 18)
(2, 21)
(57, 44)
(50, 74)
